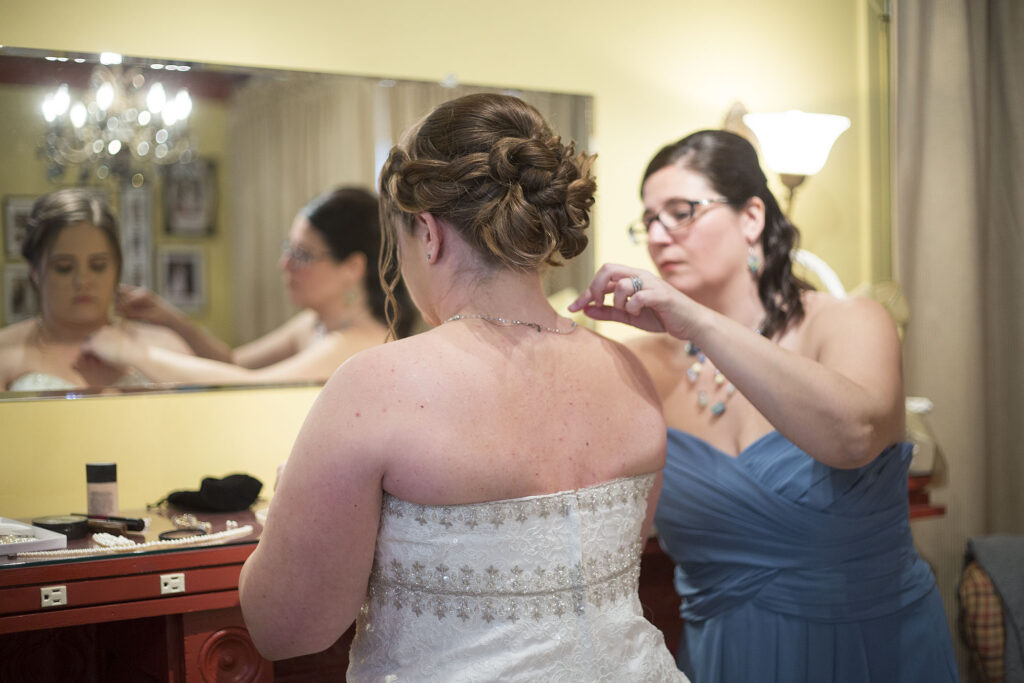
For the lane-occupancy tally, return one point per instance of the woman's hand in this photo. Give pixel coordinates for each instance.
(656, 307)
(113, 346)
(139, 303)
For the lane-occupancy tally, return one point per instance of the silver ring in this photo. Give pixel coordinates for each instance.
(638, 284)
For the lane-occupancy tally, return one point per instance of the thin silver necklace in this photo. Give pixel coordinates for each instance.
(508, 323)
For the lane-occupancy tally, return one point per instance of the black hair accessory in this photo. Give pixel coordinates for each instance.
(232, 493)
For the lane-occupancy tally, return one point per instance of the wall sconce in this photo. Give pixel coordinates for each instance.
(795, 144)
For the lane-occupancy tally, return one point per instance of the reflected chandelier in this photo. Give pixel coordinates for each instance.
(118, 126)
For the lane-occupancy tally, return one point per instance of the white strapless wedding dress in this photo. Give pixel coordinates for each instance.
(542, 588)
(40, 381)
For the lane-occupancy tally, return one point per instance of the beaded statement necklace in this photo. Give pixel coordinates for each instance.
(505, 322)
(719, 380)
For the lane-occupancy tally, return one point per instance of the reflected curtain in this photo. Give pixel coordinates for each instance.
(960, 238)
(289, 140)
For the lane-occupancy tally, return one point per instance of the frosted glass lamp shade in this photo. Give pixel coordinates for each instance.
(795, 142)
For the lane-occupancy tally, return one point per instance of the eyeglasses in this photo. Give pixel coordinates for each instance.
(674, 216)
(298, 256)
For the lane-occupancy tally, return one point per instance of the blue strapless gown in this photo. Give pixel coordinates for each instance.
(791, 570)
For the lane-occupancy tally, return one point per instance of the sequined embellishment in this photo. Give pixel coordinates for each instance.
(520, 591)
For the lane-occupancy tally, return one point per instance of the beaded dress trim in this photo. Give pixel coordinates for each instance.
(533, 584)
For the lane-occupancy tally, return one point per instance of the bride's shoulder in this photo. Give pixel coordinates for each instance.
(16, 334)
(391, 366)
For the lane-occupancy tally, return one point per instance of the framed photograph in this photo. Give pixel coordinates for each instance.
(181, 277)
(190, 198)
(19, 294)
(17, 209)
(136, 236)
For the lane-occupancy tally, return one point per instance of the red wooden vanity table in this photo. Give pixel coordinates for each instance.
(118, 625)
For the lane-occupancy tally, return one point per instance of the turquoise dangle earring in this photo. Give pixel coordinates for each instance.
(753, 262)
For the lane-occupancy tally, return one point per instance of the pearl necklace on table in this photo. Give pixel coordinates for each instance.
(110, 544)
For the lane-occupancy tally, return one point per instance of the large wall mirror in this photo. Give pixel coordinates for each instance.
(205, 167)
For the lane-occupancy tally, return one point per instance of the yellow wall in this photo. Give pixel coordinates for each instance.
(160, 442)
(656, 68)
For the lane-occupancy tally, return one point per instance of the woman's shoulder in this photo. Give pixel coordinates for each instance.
(829, 317)
(16, 334)
(155, 335)
(389, 366)
(821, 309)
(14, 350)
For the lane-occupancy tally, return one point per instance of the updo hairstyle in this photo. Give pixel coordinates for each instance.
(55, 211)
(490, 166)
(729, 163)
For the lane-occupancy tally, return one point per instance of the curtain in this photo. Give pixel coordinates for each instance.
(959, 104)
(289, 139)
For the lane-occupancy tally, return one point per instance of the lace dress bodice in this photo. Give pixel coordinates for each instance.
(529, 589)
(41, 381)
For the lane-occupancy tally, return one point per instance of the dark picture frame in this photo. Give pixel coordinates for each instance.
(17, 209)
(182, 280)
(190, 198)
(20, 299)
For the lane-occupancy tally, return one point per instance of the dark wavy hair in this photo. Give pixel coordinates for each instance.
(730, 164)
(490, 165)
(348, 220)
(55, 211)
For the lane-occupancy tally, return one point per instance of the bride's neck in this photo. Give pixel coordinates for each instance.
(56, 332)
(506, 294)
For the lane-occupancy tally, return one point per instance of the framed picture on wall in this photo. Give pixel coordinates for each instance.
(181, 278)
(190, 198)
(19, 295)
(17, 209)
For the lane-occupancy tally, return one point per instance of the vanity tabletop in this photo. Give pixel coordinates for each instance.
(223, 529)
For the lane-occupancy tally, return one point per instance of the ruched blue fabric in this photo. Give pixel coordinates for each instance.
(791, 570)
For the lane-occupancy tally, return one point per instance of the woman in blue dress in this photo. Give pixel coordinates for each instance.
(784, 501)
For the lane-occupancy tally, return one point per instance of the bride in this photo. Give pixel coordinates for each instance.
(74, 258)
(474, 497)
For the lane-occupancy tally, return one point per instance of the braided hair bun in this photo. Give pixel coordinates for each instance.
(490, 166)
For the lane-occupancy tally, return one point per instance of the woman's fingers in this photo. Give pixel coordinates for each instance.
(611, 278)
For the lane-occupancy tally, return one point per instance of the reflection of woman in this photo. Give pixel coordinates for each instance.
(75, 260)
(485, 482)
(784, 501)
(330, 267)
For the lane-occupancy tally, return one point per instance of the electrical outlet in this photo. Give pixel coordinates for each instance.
(53, 596)
(172, 583)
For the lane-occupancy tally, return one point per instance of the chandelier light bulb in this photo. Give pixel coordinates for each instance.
(183, 103)
(61, 100)
(145, 117)
(114, 147)
(78, 114)
(170, 113)
(49, 108)
(105, 96)
(156, 99)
